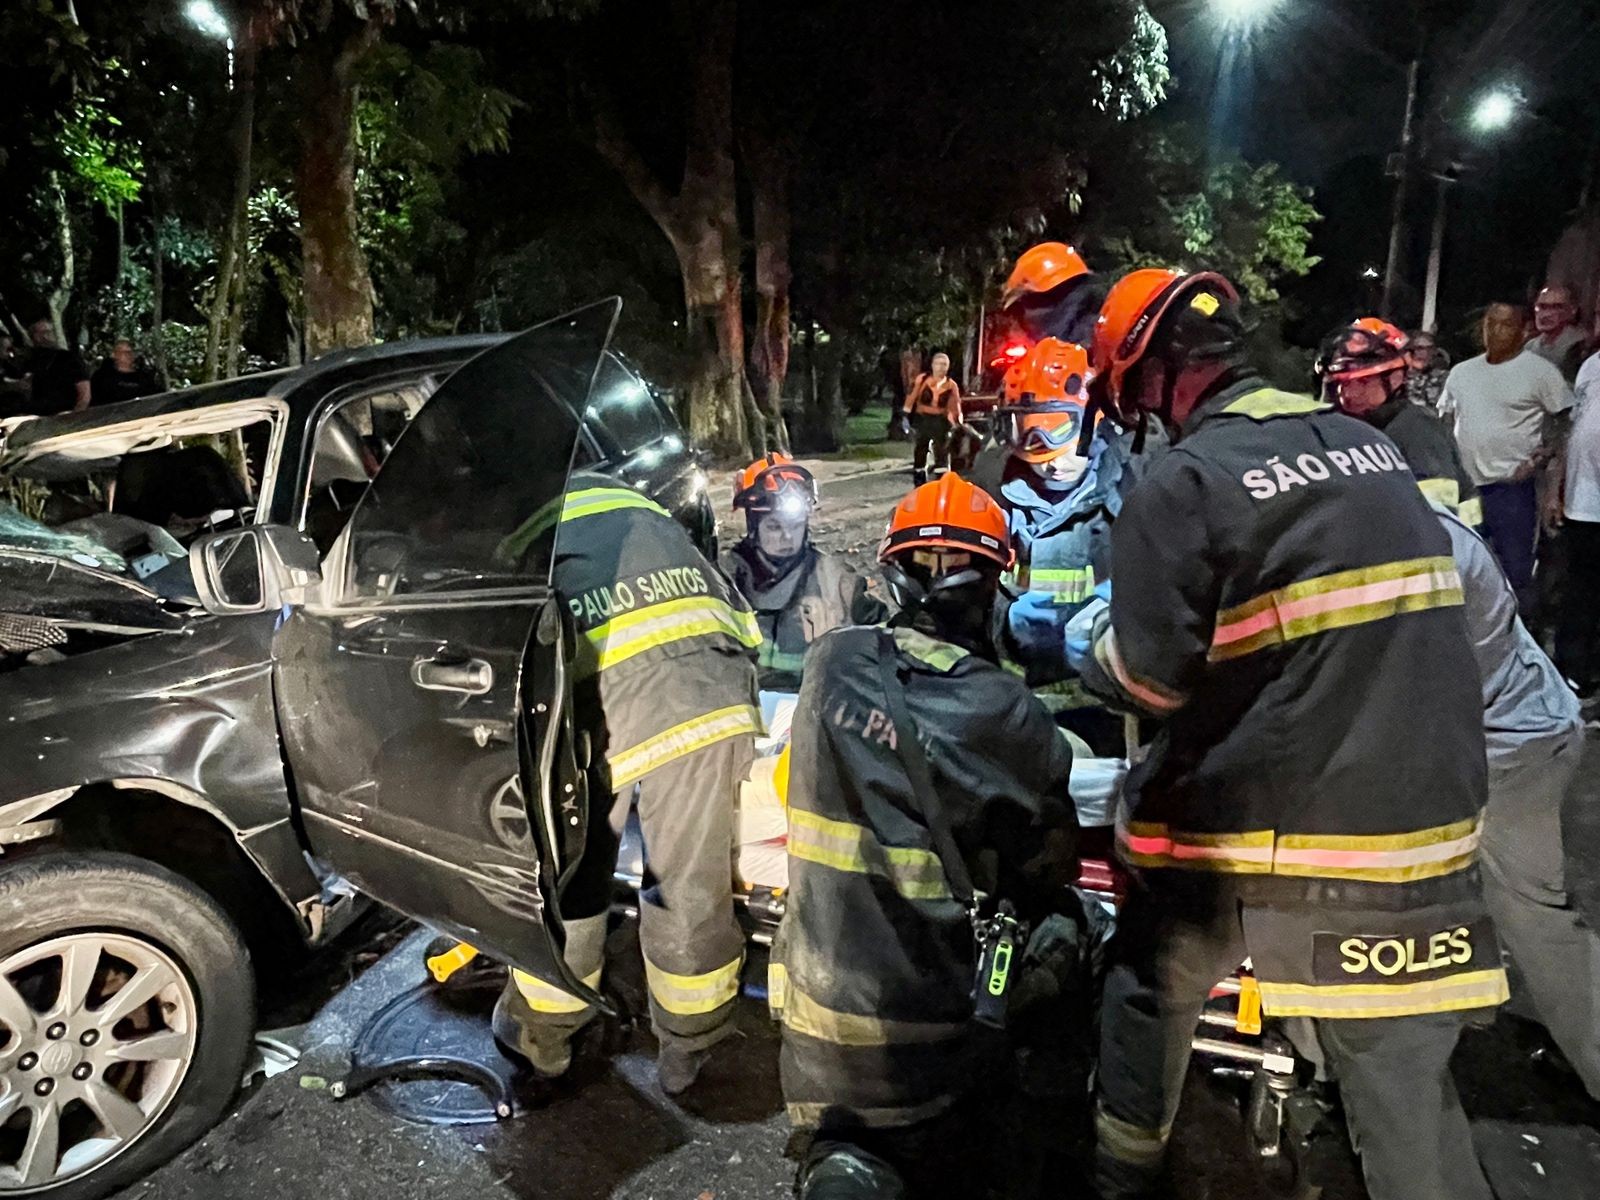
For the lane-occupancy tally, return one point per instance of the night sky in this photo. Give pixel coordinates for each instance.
(1320, 87)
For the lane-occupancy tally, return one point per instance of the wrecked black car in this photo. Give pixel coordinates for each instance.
(262, 651)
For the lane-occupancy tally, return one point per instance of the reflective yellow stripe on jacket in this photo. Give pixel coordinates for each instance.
(1472, 989)
(1335, 601)
(586, 502)
(1442, 491)
(686, 737)
(1381, 858)
(1064, 585)
(1147, 693)
(1471, 512)
(693, 995)
(916, 874)
(1270, 402)
(631, 633)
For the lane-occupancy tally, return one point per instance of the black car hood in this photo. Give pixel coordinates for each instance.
(64, 592)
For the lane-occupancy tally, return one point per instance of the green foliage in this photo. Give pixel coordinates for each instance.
(1134, 78)
(419, 115)
(1163, 204)
(104, 165)
(185, 346)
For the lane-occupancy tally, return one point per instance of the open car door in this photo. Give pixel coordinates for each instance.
(422, 698)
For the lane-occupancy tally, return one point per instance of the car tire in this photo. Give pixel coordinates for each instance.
(128, 918)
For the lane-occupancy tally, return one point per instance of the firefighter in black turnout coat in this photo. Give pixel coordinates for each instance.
(1286, 601)
(920, 771)
(665, 685)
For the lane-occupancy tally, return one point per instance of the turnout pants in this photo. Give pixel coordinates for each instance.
(930, 429)
(1400, 1102)
(693, 946)
(1524, 886)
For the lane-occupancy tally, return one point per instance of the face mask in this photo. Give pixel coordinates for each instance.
(1061, 471)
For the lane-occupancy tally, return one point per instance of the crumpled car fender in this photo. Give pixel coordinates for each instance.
(187, 714)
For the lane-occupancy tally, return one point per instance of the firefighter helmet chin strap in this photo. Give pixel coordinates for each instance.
(939, 604)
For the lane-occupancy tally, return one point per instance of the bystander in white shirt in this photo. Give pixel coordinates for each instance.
(1583, 447)
(1500, 410)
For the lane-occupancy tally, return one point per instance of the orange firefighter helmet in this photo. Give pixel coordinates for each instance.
(1042, 268)
(1133, 310)
(1047, 418)
(772, 483)
(948, 514)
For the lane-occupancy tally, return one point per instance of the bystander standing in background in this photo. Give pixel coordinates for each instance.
(57, 380)
(932, 409)
(1578, 630)
(1428, 366)
(1557, 338)
(1511, 411)
(123, 377)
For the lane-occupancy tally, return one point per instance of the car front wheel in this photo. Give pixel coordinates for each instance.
(126, 1010)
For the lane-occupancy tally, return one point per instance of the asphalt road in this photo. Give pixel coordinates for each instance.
(609, 1132)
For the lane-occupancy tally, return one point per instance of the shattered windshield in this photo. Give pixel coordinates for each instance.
(18, 532)
(131, 498)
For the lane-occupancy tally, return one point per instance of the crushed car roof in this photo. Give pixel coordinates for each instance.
(314, 380)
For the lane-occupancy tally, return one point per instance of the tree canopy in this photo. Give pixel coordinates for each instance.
(854, 176)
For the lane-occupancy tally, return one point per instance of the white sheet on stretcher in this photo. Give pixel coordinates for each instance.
(764, 825)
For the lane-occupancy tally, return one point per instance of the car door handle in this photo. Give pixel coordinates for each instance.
(471, 677)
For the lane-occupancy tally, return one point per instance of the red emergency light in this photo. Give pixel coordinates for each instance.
(1009, 353)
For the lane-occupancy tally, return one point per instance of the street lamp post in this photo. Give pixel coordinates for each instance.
(1430, 290)
(1493, 112)
(1402, 188)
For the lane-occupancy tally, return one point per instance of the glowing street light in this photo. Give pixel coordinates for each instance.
(1494, 110)
(1243, 13)
(205, 16)
(208, 19)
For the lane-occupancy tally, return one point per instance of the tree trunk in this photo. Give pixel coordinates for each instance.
(702, 222)
(715, 387)
(768, 164)
(241, 285)
(242, 139)
(338, 288)
(60, 294)
(158, 288)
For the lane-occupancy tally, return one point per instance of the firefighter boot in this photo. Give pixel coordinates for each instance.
(850, 1173)
(548, 1051)
(678, 1068)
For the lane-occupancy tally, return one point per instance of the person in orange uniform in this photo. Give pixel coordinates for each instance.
(1285, 600)
(932, 409)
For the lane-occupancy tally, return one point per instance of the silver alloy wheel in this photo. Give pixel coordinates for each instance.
(89, 1066)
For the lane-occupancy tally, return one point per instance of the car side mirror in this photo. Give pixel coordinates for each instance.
(252, 570)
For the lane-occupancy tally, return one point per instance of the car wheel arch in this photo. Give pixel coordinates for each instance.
(195, 839)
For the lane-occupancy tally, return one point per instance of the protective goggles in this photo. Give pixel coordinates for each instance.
(786, 489)
(1040, 432)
